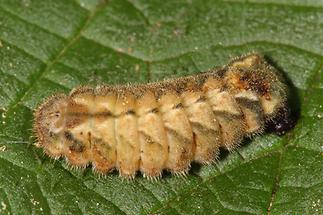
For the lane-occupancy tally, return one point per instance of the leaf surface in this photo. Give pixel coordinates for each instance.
(53, 46)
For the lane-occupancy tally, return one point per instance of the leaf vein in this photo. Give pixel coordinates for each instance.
(57, 57)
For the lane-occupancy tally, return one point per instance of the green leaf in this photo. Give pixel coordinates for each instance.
(50, 46)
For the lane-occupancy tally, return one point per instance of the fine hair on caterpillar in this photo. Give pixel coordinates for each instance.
(163, 125)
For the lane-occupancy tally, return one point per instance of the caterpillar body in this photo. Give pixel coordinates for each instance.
(164, 125)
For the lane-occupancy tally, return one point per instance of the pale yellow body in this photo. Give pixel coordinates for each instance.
(161, 126)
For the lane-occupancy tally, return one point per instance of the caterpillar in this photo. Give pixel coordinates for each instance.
(164, 125)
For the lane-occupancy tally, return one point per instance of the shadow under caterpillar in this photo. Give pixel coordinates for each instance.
(163, 125)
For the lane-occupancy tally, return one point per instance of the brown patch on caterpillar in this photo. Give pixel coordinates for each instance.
(164, 125)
